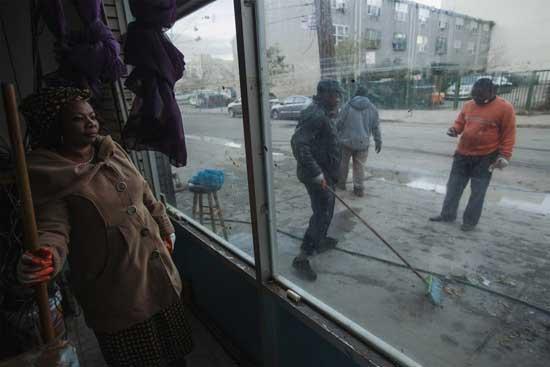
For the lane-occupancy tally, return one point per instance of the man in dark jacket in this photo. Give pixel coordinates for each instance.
(316, 149)
(357, 122)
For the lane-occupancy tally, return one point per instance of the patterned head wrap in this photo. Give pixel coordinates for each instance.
(42, 109)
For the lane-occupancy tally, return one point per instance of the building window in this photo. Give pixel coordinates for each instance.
(459, 24)
(421, 43)
(471, 48)
(338, 5)
(443, 22)
(441, 46)
(474, 26)
(374, 7)
(399, 42)
(486, 27)
(457, 44)
(401, 11)
(423, 15)
(373, 39)
(340, 32)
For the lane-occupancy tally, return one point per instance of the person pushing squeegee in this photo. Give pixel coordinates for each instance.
(433, 284)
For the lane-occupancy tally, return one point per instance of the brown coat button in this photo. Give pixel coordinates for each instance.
(155, 254)
(131, 210)
(144, 232)
(120, 186)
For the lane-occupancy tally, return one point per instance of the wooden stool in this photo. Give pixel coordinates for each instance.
(214, 207)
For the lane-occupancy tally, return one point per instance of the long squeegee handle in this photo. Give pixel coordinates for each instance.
(378, 235)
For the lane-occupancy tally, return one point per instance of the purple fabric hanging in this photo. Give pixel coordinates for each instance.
(155, 121)
(88, 57)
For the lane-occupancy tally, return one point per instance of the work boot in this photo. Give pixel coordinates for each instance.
(440, 218)
(327, 243)
(467, 227)
(359, 192)
(303, 269)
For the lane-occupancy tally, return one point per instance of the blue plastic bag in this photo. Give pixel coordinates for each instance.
(211, 179)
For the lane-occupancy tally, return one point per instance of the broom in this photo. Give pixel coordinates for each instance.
(433, 284)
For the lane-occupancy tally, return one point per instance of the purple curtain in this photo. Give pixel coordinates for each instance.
(88, 57)
(155, 121)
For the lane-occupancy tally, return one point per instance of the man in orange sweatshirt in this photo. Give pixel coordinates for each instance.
(487, 129)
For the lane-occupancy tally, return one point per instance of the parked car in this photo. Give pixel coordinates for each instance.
(235, 108)
(290, 108)
(467, 83)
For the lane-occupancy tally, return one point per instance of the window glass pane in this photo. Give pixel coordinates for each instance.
(418, 69)
(421, 43)
(209, 98)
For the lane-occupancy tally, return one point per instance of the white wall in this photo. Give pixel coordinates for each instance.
(520, 40)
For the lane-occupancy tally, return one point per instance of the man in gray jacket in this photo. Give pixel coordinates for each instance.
(357, 122)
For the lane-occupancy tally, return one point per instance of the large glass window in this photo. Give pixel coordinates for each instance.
(496, 287)
(209, 98)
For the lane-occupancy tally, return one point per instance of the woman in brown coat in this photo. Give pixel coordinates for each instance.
(95, 209)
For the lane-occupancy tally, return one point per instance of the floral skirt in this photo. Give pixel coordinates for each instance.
(158, 341)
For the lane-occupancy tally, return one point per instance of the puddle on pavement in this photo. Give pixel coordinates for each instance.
(424, 184)
(533, 203)
(218, 141)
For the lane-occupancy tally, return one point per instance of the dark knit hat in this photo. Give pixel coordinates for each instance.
(329, 86)
(42, 109)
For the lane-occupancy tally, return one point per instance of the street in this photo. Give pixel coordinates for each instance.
(496, 309)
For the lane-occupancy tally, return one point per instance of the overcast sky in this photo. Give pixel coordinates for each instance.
(212, 29)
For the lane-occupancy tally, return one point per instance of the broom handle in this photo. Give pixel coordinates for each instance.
(376, 234)
(30, 231)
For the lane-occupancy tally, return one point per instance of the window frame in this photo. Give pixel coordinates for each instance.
(399, 40)
(423, 19)
(401, 10)
(441, 40)
(459, 42)
(422, 46)
(377, 41)
(374, 8)
(443, 22)
(459, 23)
(471, 47)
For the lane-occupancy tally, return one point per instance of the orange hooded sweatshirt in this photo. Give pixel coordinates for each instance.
(486, 129)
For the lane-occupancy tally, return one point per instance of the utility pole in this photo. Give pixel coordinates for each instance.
(325, 39)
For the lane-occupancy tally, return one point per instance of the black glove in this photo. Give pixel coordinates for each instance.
(378, 146)
(452, 132)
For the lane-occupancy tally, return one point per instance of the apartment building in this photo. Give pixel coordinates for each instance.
(390, 33)
(383, 34)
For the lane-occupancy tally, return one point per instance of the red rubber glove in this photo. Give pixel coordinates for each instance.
(169, 242)
(35, 266)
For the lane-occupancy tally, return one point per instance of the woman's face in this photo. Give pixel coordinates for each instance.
(79, 125)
